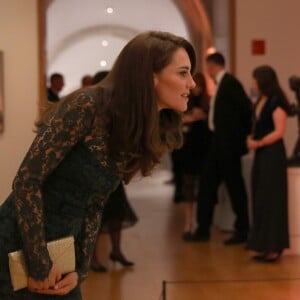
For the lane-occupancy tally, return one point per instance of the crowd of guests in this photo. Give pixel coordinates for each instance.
(218, 132)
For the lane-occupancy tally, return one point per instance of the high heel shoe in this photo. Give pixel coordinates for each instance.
(268, 257)
(121, 260)
(259, 256)
(272, 259)
(97, 267)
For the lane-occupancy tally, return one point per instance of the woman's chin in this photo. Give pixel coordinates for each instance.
(183, 107)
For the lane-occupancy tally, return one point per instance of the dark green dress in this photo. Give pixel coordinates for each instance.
(60, 190)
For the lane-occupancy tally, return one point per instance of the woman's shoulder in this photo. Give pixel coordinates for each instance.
(85, 99)
(279, 100)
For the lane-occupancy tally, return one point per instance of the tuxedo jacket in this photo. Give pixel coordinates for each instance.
(232, 117)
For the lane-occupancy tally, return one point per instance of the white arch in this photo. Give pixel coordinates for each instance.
(122, 32)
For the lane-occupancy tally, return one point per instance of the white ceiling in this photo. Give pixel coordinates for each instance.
(76, 28)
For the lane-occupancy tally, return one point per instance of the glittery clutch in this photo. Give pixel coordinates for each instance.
(62, 254)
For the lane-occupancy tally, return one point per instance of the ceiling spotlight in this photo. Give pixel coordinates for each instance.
(103, 63)
(109, 10)
(211, 50)
(104, 43)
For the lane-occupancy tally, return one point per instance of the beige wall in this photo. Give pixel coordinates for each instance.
(277, 22)
(19, 42)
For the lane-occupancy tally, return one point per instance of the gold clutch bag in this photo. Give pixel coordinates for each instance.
(61, 251)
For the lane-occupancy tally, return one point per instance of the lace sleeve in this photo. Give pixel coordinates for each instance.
(69, 124)
(86, 241)
(87, 238)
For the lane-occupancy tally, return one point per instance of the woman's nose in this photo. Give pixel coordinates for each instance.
(192, 84)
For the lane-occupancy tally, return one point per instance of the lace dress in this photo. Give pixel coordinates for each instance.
(60, 190)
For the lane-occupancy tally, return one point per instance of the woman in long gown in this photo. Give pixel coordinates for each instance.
(269, 233)
(96, 137)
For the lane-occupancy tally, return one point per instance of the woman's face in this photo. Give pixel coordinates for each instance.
(255, 87)
(173, 84)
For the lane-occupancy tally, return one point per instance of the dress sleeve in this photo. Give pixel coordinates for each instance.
(279, 101)
(69, 124)
(87, 238)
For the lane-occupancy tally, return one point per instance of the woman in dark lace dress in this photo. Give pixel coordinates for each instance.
(196, 136)
(96, 137)
(269, 232)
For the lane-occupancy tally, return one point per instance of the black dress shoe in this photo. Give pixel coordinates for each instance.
(197, 237)
(235, 240)
(97, 267)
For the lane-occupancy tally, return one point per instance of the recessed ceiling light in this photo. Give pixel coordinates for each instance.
(109, 10)
(103, 63)
(104, 43)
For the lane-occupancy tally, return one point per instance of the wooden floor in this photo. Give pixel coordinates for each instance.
(194, 271)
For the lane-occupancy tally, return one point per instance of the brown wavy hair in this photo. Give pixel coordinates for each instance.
(136, 126)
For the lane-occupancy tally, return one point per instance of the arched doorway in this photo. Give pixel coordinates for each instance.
(75, 28)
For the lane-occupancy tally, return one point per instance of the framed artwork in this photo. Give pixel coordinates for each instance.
(1, 93)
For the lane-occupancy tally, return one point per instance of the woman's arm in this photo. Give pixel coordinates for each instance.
(87, 238)
(279, 118)
(69, 124)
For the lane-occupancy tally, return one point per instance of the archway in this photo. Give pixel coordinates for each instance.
(190, 20)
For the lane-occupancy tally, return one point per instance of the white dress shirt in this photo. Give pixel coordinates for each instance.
(211, 113)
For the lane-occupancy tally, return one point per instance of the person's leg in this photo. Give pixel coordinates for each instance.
(95, 263)
(115, 238)
(234, 181)
(178, 175)
(207, 197)
(189, 216)
(116, 253)
(189, 201)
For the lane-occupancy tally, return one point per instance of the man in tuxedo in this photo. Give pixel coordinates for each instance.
(230, 122)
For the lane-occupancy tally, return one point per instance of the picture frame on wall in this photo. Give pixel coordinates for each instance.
(1, 92)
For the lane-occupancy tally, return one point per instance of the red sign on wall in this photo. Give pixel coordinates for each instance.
(258, 47)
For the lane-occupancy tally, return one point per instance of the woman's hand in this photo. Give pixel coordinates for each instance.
(62, 287)
(252, 144)
(199, 114)
(49, 282)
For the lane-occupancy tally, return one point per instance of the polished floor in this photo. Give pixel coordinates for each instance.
(191, 271)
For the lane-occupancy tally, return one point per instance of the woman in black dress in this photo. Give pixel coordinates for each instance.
(97, 137)
(193, 152)
(117, 215)
(269, 233)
